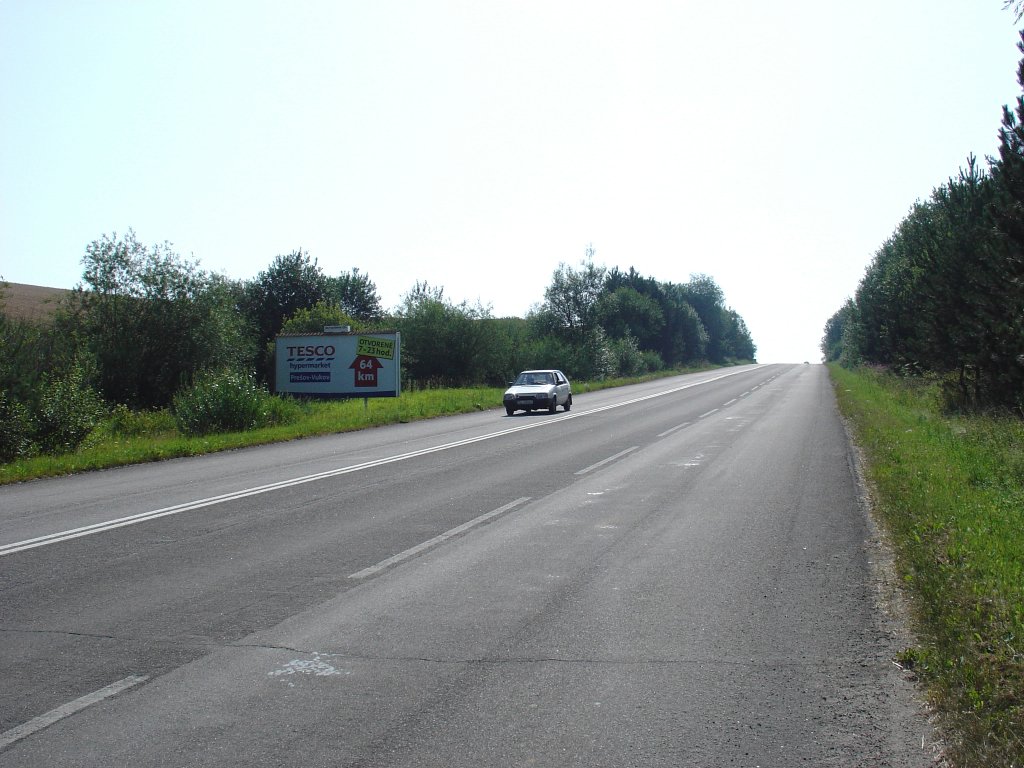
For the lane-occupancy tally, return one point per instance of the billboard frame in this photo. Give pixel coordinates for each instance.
(338, 364)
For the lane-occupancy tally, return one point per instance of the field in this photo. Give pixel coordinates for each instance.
(30, 302)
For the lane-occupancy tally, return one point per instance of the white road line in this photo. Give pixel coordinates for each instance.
(610, 459)
(676, 428)
(37, 724)
(109, 525)
(730, 402)
(413, 551)
(705, 415)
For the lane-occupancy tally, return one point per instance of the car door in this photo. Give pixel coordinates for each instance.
(562, 384)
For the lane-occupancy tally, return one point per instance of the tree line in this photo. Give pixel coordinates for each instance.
(146, 324)
(944, 295)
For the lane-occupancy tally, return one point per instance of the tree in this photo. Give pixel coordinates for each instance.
(152, 319)
(515, 349)
(1008, 213)
(314, 319)
(572, 299)
(835, 328)
(646, 286)
(447, 344)
(684, 338)
(968, 287)
(291, 282)
(737, 343)
(703, 294)
(944, 294)
(625, 312)
(357, 295)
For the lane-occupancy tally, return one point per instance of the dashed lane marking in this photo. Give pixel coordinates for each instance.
(609, 460)
(440, 539)
(36, 724)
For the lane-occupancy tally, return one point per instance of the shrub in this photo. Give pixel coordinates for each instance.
(629, 360)
(15, 429)
(652, 361)
(67, 412)
(125, 422)
(228, 401)
(595, 359)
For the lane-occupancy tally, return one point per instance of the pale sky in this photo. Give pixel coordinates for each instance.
(476, 145)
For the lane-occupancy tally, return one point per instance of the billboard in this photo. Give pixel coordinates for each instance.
(339, 364)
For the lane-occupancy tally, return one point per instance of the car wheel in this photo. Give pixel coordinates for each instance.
(509, 411)
(554, 404)
(568, 404)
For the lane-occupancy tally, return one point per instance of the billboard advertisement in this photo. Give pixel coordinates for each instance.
(339, 364)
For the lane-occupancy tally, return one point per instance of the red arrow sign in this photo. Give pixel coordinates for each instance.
(366, 368)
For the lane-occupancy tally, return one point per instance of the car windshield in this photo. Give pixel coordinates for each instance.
(529, 379)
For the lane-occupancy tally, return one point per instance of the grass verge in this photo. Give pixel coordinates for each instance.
(950, 492)
(113, 445)
(134, 438)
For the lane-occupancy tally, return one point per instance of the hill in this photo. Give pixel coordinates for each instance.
(30, 302)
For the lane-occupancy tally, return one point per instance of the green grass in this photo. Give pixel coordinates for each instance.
(950, 492)
(127, 437)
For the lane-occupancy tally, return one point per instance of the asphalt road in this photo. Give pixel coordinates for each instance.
(680, 573)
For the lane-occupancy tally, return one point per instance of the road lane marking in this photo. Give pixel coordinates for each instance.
(704, 415)
(109, 525)
(440, 539)
(37, 724)
(610, 459)
(676, 428)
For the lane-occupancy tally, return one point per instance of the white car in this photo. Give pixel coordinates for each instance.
(536, 390)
